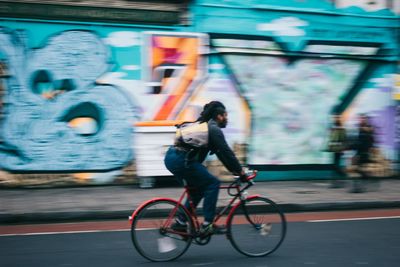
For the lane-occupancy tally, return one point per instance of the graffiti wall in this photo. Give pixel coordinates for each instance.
(75, 100)
(290, 124)
(57, 116)
(292, 103)
(98, 103)
(179, 79)
(60, 114)
(296, 70)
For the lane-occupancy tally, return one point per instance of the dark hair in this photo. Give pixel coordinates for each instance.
(211, 111)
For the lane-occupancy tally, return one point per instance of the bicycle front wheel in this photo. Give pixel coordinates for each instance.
(256, 227)
(152, 232)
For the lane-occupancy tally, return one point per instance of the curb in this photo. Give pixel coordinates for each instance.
(58, 217)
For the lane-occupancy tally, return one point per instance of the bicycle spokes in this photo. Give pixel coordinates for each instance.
(152, 232)
(258, 229)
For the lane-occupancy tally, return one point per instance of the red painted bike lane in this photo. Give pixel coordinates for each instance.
(124, 225)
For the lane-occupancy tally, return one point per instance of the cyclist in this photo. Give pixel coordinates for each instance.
(186, 164)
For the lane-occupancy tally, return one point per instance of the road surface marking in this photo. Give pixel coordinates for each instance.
(67, 232)
(123, 225)
(356, 219)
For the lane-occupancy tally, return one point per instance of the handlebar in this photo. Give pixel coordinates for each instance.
(238, 182)
(250, 177)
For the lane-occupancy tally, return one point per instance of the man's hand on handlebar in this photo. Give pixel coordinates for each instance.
(246, 177)
(243, 177)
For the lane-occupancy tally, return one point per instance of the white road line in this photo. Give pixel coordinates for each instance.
(127, 230)
(66, 232)
(356, 219)
(74, 232)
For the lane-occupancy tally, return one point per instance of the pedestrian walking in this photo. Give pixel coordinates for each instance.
(337, 145)
(363, 147)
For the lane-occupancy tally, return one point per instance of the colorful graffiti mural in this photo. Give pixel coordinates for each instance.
(176, 65)
(286, 123)
(178, 83)
(56, 117)
(97, 99)
(293, 123)
(82, 111)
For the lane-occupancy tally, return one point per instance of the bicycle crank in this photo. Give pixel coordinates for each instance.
(202, 240)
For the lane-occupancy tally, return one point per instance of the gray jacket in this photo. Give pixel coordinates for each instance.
(218, 145)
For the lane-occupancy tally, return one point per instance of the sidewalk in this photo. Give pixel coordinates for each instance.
(118, 202)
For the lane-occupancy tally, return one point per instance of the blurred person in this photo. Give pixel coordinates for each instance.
(185, 162)
(363, 147)
(337, 145)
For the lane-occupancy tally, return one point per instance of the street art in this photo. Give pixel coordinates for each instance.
(56, 117)
(174, 67)
(96, 102)
(291, 100)
(287, 121)
(179, 81)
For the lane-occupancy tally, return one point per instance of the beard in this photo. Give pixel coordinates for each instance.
(222, 124)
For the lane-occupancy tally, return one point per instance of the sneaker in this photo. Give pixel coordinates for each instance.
(179, 227)
(210, 229)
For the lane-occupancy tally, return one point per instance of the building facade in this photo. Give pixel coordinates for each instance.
(91, 91)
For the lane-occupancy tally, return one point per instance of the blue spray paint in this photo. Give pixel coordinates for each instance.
(47, 89)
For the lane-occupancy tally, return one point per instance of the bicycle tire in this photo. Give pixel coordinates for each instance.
(256, 227)
(151, 239)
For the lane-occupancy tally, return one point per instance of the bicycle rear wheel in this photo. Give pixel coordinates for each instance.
(256, 227)
(152, 233)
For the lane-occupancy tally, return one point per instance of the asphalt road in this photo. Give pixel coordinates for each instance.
(328, 241)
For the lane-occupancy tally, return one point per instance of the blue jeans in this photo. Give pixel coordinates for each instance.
(196, 176)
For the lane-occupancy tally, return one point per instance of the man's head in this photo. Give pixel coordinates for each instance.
(215, 110)
(221, 117)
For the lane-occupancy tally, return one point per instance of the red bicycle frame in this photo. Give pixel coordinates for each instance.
(192, 212)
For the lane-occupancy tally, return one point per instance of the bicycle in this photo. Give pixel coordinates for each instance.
(255, 225)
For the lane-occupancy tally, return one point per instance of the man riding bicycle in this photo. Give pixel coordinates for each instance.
(185, 162)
